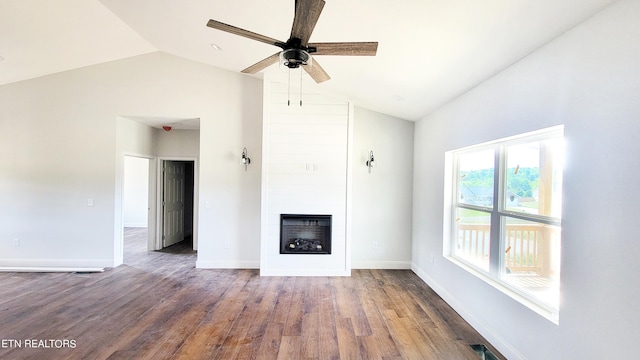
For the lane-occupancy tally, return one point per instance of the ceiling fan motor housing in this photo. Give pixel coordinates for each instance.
(293, 58)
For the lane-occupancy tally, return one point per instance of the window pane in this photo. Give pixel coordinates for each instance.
(473, 229)
(534, 178)
(475, 178)
(531, 258)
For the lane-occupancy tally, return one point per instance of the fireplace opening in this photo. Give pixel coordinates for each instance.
(305, 234)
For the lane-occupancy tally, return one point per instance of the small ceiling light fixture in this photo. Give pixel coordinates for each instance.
(245, 159)
(371, 162)
(293, 58)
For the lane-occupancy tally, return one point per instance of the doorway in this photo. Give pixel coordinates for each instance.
(137, 200)
(144, 218)
(177, 187)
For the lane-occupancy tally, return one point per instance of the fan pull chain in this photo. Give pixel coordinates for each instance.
(300, 85)
(289, 89)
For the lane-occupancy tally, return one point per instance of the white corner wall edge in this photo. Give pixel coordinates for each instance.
(348, 205)
(492, 336)
(227, 264)
(387, 265)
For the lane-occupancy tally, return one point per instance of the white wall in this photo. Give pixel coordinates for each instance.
(589, 80)
(177, 143)
(382, 199)
(229, 204)
(135, 204)
(60, 149)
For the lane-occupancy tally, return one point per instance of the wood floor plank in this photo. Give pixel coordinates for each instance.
(310, 319)
(157, 316)
(380, 331)
(347, 344)
(264, 304)
(158, 306)
(369, 348)
(408, 348)
(327, 332)
(216, 325)
(289, 347)
(420, 338)
(270, 344)
(182, 324)
(349, 304)
(373, 306)
(283, 301)
(293, 322)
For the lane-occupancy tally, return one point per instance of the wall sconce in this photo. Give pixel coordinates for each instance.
(371, 162)
(245, 158)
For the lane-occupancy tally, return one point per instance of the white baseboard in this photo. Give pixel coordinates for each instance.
(200, 264)
(306, 272)
(391, 265)
(49, 269)
(387, 265)
(256, 265)
(492, 336)
(135, 225)
(54, 265)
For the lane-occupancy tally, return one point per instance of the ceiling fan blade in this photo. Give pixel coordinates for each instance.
(262, 64)
(242, 32)
(346, 48)
(305, 19)
(316, 72)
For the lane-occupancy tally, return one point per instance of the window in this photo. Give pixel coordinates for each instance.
(506, 204)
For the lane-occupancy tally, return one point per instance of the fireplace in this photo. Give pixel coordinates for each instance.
(305, 234)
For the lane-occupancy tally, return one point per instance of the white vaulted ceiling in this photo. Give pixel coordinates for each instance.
(430, 51)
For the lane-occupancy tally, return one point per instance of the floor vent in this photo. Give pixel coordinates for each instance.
(483, 352)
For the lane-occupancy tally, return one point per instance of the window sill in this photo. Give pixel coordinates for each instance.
(541, 309)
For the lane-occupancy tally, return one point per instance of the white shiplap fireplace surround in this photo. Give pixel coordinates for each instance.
(306, 162)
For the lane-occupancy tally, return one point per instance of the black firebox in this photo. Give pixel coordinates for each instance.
(305, 234)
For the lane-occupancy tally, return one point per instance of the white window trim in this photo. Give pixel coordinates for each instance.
(497, 211)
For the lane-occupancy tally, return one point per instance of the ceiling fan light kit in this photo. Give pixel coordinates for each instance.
(293, 58)
(296, 52)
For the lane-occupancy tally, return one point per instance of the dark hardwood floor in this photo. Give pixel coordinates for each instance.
(158, 306)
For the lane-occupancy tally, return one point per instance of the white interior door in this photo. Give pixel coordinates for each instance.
(173, 202)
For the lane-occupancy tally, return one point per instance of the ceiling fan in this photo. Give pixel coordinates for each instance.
(297, 50)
